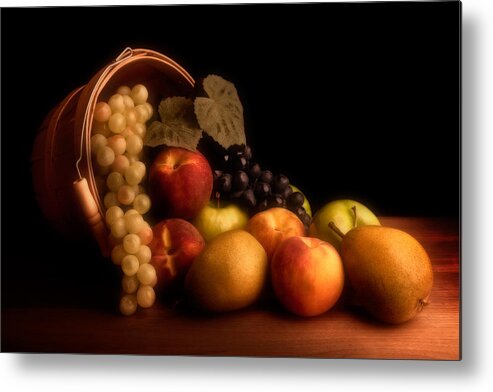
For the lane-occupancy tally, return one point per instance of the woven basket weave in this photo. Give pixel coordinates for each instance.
(63, 176)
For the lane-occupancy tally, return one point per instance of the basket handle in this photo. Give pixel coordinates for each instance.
(83, 194)
(124, 55)
(91, 214)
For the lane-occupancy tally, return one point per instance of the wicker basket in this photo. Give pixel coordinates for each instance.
(63, 176)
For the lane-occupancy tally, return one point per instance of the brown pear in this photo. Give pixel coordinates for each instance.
(389, 271)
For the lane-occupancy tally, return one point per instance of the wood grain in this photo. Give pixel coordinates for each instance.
(265, 330)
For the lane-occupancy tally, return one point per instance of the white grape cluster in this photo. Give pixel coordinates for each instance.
(116, 144)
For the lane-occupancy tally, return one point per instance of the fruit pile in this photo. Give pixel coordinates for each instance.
(225, 234)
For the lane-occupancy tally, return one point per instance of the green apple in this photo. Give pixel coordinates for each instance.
(346, 214)
(214, 219)
(306, 204)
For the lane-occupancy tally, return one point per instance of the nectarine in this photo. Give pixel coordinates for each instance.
(272, 226)
(307, 275)
(175, 245)
(180, 183)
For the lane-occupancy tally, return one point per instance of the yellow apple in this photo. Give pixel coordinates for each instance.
(346, 214)
(213, 219)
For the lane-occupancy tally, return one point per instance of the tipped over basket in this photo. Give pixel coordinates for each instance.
(63, 175)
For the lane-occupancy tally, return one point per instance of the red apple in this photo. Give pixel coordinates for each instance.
(307, 275)
(175, 245)
(180, 183)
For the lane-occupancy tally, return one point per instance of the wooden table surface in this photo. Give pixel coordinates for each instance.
(264, 330)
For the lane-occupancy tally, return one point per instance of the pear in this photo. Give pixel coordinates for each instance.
(229, 274)
(389, 271)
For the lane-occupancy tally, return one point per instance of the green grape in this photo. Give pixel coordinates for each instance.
(146, 274)
(130, 284)
(139, 94)
(131, 243)
(145, 296)
(116, 103)
(130, 265)
(134, 223)
(117, 254)
(142, 203)
(144, 254)
(128, 304)
(114, 181)
(105, 156)
(118, 229)
(117, 123)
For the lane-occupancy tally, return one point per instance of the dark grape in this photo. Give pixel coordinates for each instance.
(217, 174)
(255, 188)
(262, 190)
(300, 212)
(235, 149)
(248, 198)
(261, 206)
(307, 220)
(223, 183)
(254, 172)
(281, 182)
(275, 200)
(304, 217)
(240, 181)
(266, 176)
(247, 152)
(295, 200)
(236, 194)
(239, 163)
(287, 192)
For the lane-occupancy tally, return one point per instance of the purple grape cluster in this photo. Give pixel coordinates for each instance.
(243, 180)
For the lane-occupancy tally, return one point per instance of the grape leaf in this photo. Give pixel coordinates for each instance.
(221, 113)
(178, 126)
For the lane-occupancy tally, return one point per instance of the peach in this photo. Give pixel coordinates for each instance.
(174, 246)
(307, 275)
(180, 183)
(272, 226)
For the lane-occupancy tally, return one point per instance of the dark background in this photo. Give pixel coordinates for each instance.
(349, 100)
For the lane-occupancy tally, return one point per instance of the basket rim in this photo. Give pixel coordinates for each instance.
(89, 97)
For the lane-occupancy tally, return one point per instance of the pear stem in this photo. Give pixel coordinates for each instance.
(355, 216)
(336, 230)
(424, 302)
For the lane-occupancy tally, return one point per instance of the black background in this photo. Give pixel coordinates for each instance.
(354, 101)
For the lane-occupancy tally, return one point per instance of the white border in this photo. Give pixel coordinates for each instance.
(134, 373)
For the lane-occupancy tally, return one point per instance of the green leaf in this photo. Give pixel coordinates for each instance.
(220, 114)
(178, 126)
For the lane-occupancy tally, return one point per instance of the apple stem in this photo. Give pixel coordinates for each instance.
(336, 230)
(218, 196)
(355, 216)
